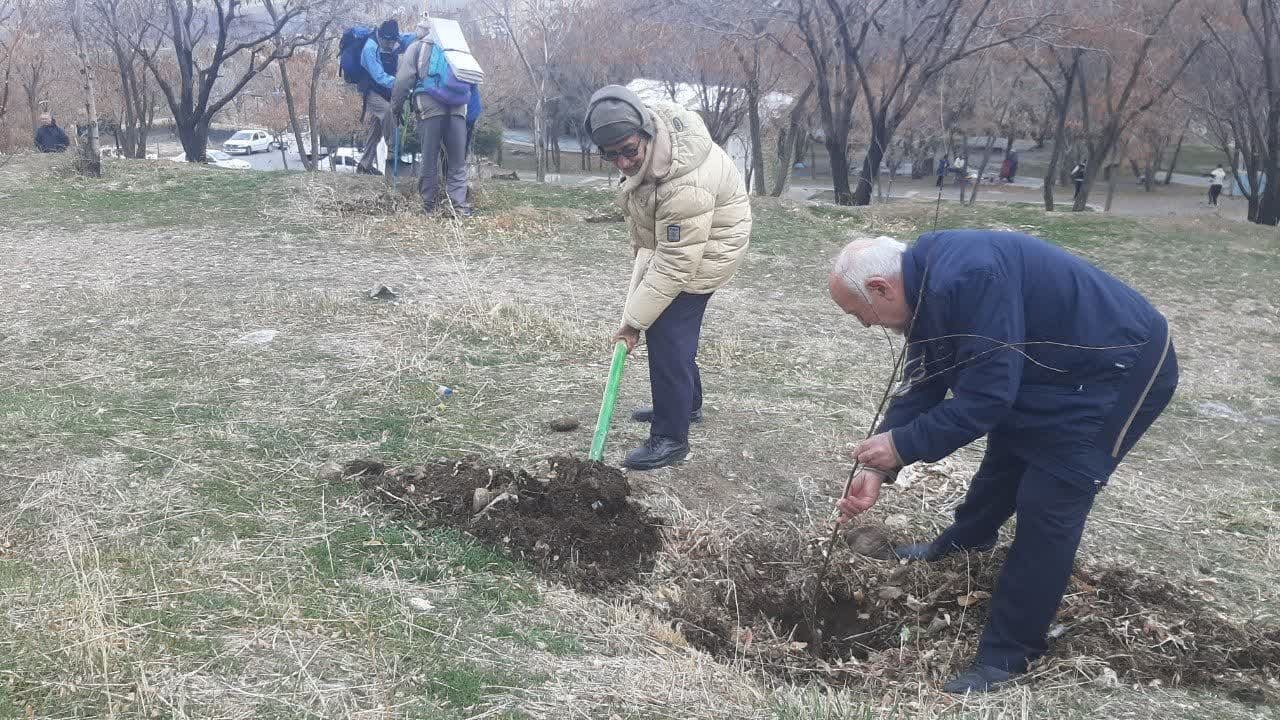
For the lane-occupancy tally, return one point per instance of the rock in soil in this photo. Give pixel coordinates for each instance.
(330, 472)
(564, 424)
(575, 524)
(870, 540)
(382, 292)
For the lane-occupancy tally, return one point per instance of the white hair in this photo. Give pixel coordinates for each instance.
(865, 258)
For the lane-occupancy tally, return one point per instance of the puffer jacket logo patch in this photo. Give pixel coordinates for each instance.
(673, 233)
(676, 124)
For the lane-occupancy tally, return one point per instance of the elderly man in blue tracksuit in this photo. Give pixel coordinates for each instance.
(1061, 366)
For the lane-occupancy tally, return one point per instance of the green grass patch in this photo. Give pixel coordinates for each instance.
(504, 196)
(427, 556)
(541, 637)
(464, 685)
(152, 195)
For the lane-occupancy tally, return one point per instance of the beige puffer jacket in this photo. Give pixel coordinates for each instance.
(688, 215)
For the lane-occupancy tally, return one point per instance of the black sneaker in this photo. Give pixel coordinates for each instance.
(655, 453)
(979, 679)
(645, 414)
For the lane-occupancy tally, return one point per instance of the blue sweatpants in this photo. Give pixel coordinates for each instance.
(1051, 510)
(673, 369)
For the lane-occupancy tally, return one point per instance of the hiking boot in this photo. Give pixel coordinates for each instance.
(658, 451)
(645, 414)
(931, 551)
(978, 679)
(362, 170)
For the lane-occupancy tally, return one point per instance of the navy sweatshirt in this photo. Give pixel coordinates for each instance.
(1033, 342)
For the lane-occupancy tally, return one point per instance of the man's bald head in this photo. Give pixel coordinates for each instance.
(866, 282)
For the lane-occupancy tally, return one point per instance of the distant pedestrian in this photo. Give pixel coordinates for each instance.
(1004, 169)
(50, 138)
(1216, 177)
(942, 170)
(1077, 176)
(1013, 165)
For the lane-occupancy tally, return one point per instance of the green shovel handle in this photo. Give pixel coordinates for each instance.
(606, 405)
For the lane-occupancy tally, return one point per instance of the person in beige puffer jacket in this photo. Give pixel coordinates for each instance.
(690, 223)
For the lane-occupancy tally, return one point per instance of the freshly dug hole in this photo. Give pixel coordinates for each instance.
(576, 523)
(875, 621)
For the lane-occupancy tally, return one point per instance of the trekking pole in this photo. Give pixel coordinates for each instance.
(395, 164)
(610, 398)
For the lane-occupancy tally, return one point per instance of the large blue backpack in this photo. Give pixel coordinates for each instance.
(349, 49)
(442, 85)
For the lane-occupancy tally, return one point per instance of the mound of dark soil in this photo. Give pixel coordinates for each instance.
(872, 621)
(576, 523)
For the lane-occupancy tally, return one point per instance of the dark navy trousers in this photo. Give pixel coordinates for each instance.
(1051, 511)
(673, 369)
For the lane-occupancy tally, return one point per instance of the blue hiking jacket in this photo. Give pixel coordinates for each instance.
(382, 66)
(1033, 343)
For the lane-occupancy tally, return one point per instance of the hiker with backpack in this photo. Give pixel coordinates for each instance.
(369, 60)
(445, 108)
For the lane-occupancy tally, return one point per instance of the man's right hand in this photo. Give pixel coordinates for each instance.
(628, 335)
(863, 493)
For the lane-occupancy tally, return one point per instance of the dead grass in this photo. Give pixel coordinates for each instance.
(166, 549)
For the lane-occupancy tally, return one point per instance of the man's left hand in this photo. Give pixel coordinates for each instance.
(628, 335)
(877, 452)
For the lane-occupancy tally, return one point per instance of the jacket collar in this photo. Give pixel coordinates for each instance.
(657, 161)
(914, 275)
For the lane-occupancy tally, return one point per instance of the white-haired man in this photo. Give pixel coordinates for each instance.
(1061, 366)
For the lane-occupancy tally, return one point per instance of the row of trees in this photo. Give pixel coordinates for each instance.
(1116, 82)
(875, 82)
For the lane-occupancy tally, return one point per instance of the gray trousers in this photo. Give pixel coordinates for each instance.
(381, 124)
(451, 131)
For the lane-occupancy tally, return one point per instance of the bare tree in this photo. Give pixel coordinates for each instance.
(835, 80)
(139, 96)
(1060, 98)
(8, 37)
(91, 158)
(208, 42)
(538, 31)
(899, 50)
(1152, 135)
(39, 66)
(792, 139)
(1239, 95)
(1130, 82)
(997, 115)
(321, 19)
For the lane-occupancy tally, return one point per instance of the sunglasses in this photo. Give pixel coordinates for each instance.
(627, 152)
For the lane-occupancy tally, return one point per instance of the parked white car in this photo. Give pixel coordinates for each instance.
(248, 142)
(342, 160)
(220, 159)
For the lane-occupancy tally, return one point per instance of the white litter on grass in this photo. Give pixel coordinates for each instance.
(421, 604)
(1219, 410)
(257, 337)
